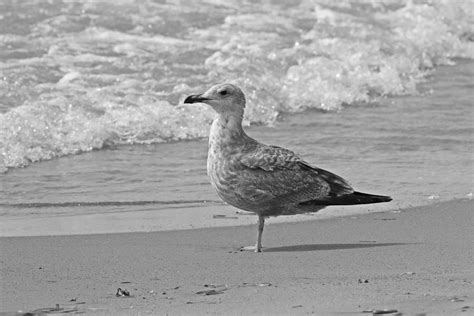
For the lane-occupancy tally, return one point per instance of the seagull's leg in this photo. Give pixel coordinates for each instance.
(261, 223)
(258, 245)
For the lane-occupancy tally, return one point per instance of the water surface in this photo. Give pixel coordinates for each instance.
(380, 93)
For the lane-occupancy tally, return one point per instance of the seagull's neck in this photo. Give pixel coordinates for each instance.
(226, 129)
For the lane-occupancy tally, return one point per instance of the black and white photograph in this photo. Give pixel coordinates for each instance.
(236, 157)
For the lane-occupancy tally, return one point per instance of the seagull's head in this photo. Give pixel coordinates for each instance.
(224, 98)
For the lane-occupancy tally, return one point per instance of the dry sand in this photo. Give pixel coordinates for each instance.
(415, 261)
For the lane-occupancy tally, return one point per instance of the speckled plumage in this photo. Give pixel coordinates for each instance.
(266, 180)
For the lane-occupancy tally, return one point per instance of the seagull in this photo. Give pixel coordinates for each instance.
(263, 179)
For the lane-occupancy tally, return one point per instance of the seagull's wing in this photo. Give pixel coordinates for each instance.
(279, 173)
(270, 158)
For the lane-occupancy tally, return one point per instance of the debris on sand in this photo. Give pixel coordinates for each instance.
(215, 286)
(52, 310)
(407, 273)
(381, 311)
(211, 292)
(214, 289)
(122, 293)
(263, 284)
(224, 216)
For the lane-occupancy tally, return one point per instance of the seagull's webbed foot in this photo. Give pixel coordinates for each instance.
(258, 245)
(251, 248)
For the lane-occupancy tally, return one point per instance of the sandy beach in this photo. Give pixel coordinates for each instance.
(416, 261)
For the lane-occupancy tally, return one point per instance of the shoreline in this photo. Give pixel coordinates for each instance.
(150, 219)
(155, 218)
(414, 260)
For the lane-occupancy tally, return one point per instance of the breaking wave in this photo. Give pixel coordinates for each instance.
(81, 76)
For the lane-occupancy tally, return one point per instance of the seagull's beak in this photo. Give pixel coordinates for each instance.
(195, 99)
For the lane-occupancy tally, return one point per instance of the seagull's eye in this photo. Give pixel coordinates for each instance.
(223, 92)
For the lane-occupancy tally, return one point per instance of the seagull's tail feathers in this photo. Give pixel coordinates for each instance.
(350, 199)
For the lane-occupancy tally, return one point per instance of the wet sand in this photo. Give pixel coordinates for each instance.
(415, 261)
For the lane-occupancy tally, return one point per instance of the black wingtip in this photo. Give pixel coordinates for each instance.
(350, 199)
(365, 198)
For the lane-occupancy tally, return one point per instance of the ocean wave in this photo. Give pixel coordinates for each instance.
(63, 126)
(76, 78)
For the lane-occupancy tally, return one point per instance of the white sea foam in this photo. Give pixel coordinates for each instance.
(78, 77)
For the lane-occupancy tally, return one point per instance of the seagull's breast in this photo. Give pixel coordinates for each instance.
(223, 166)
